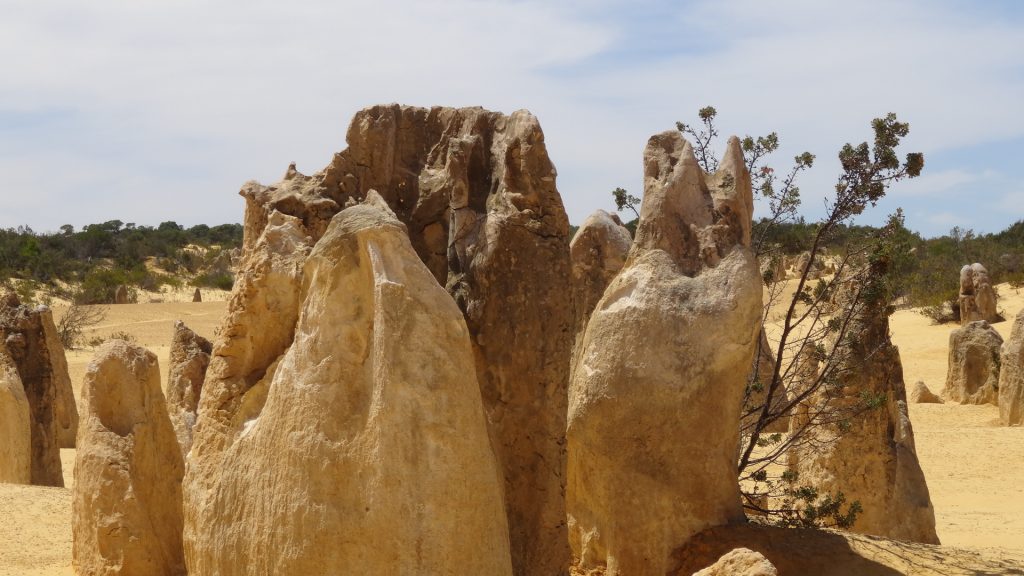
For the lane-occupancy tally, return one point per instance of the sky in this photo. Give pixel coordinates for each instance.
(147, 111)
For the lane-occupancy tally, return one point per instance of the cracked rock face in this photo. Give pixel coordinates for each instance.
(476, 193)
(654, 402)
(126, 502)
(973, 374)
(30, 338)
(977, 297)
(1011, 376)
(190, 357)
(367, 445)
(873, 459)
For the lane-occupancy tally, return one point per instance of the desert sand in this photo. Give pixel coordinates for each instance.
(972, 464)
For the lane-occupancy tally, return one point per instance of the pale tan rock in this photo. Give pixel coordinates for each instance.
(873, 459)
(65, 409)
(598, 251)
(126, 500)
(977, 297)
(973, 373)
(1011, 375)
(740, 562)
(121, 295)
(920, 394)
(655, 397)
(773, 268)
(370, 452)
(22, 330)
(190, 357)
(15, 425)
(476, 191)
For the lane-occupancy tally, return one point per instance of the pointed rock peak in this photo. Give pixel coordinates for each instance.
(676, 201)
(731, 188)
(374, 199)
(291, 172)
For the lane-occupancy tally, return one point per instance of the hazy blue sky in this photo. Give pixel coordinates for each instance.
(146, 111)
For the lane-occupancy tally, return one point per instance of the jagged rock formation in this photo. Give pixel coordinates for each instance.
(477, 194)
(1011, 376)
(973, 374)
(740, 562)
(24, 332)
(655, 396)
(367, 446)
(598, 251)
(977, 297)
(65, 408)
(758, 382)
(190, 357)
(773, 268)
(817, 267)
(15, 424)
(197, 296)
(874, 459)
(920, 394)
(121, 295)
(126, 501)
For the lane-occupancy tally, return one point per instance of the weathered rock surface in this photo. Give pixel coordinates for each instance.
(190, 357)
(126, 501)
(15, 425)
(121, 295)
(598, 252)
(477, 194)
(773, 268)
(977, 297)
(197, 296)
(370, 449)
(23, 330)
(655, 397)
(920, 394)
(740, 562)
(819, 552)
(973, 374)
(1011, 376)
(65, 408)
(874, 459)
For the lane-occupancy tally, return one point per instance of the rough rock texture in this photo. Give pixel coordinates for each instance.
(197, 296)
(15, 425)
(655, 397)
(477, 194)
(24, 333)
(758, 381)
(819, 552)
(598, 251)
(817, 267)
(977, 297)
(126, 501)
(1011, 376)
(740, 562)
(190, 356)
(973, 374)
(773, 268)
(874, 461)
(370, 450)
(121, 295)
(920, 394)
(65, 408)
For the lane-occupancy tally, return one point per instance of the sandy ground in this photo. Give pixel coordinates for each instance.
(974, 467)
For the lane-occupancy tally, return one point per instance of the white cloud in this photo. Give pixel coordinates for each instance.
(179, 103)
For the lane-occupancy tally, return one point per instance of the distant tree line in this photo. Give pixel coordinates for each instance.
(100, 257)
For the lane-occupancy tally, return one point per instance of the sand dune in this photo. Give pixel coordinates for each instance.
(973, 465)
